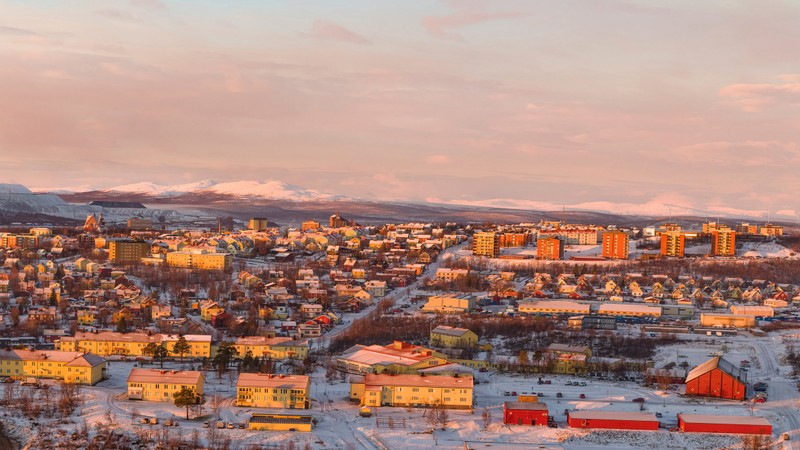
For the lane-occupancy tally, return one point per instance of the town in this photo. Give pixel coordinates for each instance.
(251, 335)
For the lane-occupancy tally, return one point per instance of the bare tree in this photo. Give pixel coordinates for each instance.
(486, 418)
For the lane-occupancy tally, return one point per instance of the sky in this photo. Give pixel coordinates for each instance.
(668, 104)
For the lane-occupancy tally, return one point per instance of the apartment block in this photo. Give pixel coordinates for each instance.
(127, 252)
(261, 390)
(672, 243)
(615, 245)
(412, 390)
(723, 242)
(486, 244)
(200, 260)
(71, 367)
(550, 248)
(156, 385)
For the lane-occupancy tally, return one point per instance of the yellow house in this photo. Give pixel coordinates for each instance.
(72, 367)
(273, 348)
(260, 390)
(156, 385)
(210, 309)
(280, 422)
(412, 391)
(453, 337)
(86, 317)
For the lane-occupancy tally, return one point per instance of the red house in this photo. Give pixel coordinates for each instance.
(717, 378)
(524, 413)
(613, 420)
(700, 423)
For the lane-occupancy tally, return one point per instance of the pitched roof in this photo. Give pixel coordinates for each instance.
(450, 331)
(164, 376)
(720, 363)
(263, 380)
(418, 381)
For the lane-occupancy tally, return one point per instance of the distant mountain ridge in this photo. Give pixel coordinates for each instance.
(268, 189)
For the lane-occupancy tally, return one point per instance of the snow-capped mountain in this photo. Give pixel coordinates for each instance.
(268, 189)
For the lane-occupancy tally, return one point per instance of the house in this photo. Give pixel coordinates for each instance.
(310, 310)
(260, 390)
(156, 385)
(273, 348)
(452, 337)
(375, 390)
(209, 309)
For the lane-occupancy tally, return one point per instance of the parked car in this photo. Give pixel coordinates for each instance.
(220, 424)
(231, 425)
(548, 382)
(206, 424)
(483, 369)
(559, 395)
(506, 393)
(569, 383)
(583, 383)
(583, 396)
(513, 393)
(638, 400)
(759, 400)
(659, 415)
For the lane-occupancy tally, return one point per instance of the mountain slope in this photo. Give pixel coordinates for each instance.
(268, 189)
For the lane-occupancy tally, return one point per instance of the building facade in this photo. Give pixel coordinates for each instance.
(412, 391)
(486, 244)
(615, 245)
(673, 243)
(261, 390)
(550, 248)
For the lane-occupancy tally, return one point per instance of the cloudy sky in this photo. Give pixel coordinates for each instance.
(687, 103)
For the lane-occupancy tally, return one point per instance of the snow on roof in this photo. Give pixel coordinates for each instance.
(263, 380)
(450, 331)
(714, 363)
(528, 406)
(556, 305)
(164, 376)
(728, 420)
(70, 358)
(613, 415)
(627, 307)
(418, 381)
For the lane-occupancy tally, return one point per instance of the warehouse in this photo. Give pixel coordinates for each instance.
(717, 378)
(613, 420)
(701, 423)
(524, 413)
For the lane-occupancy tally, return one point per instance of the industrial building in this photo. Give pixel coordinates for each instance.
(717, 378)
(613, 420)
(524, 413)
(701, 423)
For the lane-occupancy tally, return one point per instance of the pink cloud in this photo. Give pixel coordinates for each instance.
(753, 97)
(322, 29)
(442, 26)
(438, 159)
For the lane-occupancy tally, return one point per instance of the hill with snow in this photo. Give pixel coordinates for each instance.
(268, 189)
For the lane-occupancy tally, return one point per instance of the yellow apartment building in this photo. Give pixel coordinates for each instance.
(126, 252)
(198, 260)
(107, 343)
(261, 390)
(71, 367)
(156, 385)
(274, 347)
(374, 390)
(453, 337)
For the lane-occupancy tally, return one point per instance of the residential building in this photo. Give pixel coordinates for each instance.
(126, 251)
(71, 367)
(201, 260)
(673, 243)
(310, 225)
(514, 239)
(337, 221)
(107, 343)
(769, 229)
(453, 337)
(374, 390)
(450, 275)
(615, 245)
(486, 244)
(551, 248)
(261, 390)
(138, 223)
(158, 385)
(272, 348)
(723, 242)
(258, 224)
(746, 228)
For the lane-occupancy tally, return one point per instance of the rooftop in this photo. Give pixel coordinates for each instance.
(728, 420)
(164, 376)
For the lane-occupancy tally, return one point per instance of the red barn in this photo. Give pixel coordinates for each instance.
(700, 423)
(717, 378)
(524, 413)
(613, 420)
